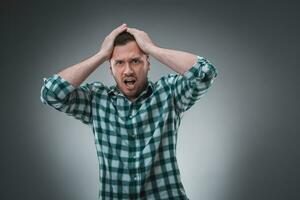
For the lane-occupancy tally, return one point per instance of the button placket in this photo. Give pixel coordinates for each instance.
(134, 177)
(132, 110)
(132, 135)
(133, 155)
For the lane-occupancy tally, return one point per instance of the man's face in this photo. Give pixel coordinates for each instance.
(129, 66)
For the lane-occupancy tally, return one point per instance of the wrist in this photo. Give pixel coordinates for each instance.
(152, 49)
(100, 57)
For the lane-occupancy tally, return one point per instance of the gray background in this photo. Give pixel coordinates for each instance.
(241, 141)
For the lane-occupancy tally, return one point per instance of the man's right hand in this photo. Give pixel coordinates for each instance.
(108, 43)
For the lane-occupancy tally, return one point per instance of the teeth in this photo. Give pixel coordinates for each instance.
(129, 81)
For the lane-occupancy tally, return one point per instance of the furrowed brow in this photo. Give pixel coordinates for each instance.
(117, 60)
(136, 58)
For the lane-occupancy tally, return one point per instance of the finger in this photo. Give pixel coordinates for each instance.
(119, 29)
(124, 25)
(131, 30)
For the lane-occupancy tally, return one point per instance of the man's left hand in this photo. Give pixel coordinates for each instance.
(142, 39)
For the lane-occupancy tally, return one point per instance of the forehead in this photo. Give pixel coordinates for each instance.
(127, 51)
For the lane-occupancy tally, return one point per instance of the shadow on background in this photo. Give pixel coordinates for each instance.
(241, 141)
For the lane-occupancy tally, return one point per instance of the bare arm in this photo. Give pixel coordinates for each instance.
(178, 61)
(77, 73)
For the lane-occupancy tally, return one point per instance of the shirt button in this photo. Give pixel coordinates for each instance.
(134, 177)
(132, 135)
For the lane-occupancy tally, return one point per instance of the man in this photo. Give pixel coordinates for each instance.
(134, 122)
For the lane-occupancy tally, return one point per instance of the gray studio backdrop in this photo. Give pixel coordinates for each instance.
(240, 141)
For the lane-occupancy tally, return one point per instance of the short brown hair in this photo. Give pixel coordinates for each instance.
(123, 38)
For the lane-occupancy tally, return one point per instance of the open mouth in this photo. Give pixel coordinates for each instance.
(129, 82)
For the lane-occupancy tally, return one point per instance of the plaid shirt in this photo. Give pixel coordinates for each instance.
(135, 141)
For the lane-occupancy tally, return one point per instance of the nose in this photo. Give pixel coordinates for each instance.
(128, 69)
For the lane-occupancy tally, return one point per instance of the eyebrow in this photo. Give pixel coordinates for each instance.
(134, 58)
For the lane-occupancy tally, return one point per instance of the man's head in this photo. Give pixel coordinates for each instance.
(129, 65)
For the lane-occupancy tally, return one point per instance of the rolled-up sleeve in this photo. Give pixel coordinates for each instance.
(189, 87)
(61, 95)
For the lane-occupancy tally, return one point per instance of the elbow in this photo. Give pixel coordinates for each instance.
(47, 97)
(210, 73)
(44, 98)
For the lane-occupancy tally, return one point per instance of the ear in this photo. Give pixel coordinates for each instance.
(111, 72)
(110, 65)
(149, 64)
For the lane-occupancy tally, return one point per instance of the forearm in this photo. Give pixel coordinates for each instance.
(77, 73)
(179, 61)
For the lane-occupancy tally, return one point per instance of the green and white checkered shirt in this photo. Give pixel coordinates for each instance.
(135, 141)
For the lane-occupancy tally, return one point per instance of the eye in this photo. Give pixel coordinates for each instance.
(136, 61)
(118, 62)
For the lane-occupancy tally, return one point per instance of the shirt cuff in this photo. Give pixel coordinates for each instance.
(59, 86)
(202, 69)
